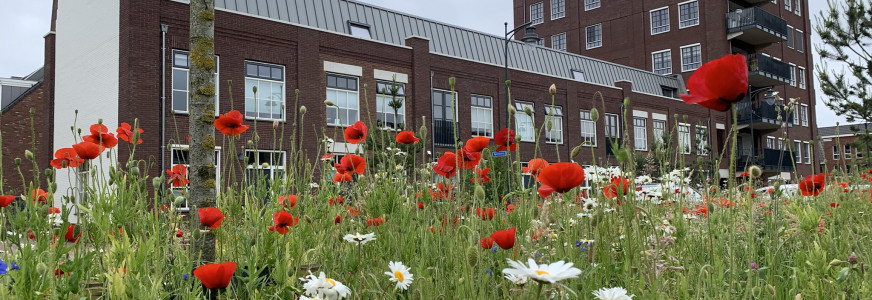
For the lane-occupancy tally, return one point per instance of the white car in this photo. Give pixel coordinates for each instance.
(657, 192)
(787, 190)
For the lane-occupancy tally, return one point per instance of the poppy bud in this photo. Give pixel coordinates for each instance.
(41, 268)
(54, 186)
(471, 256)
(275, 124)
(675, 116)
(329, 103)
(512, 110)
(479, 193)
(308, 220)
(250, 144)
(517, 137)
(422, 132)
(594, 114)
(28, 155)
(508, 83)
(548, 125)
(48, 172)
(575, 151)
(156, 182)
(179, 201)
(770, 289)
(528, 111)
(134, 171)
(18, 161)
(264, 165)
(622, 155)
(303, 109)
(755, 171)
(552, 89)
(254, 89)
(452, 81)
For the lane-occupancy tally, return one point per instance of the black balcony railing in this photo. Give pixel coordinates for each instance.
(767, 71)
(443, 133)
(764, 111)
(771, 160)
(757, 18)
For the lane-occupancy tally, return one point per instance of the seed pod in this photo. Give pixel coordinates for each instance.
(552, 89)
(179, 201)
(18, 161)
(48, 172)
(156, 182)
(755, 171)
(575, 151)
(28, 155)
(254, 89)
(329, 103)
(452, 81)
(594, 114)
(479, 193)
(627, 102)
(528, 110)
(303, 109)
(512, 110)
(134, 171)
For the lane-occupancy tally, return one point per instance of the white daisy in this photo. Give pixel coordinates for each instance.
(615, 293)
(325, 288)
(589, 204)
(549, 273)
(584, 215)
(519, 280)
(400, 274)
(360, 239)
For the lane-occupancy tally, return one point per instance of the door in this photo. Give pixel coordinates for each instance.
(444, 122)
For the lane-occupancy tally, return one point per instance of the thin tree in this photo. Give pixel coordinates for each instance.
(201, 130)
(846, 31)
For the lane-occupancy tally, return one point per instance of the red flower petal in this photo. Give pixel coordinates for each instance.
(216, 276)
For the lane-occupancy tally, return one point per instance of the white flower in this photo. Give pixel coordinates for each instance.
(589, 204)
(519, 280)
(360, 239)
(615, 293)
(584, 215)
(586, 241)
(322, 287)
(400, 274)
(549, 273)
(314, 185)
(399, 167)
(608, 210)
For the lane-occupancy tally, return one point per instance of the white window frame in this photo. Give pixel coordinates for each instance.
(541, 7)
(555, 115)
(836, 151)
(258, 165)
(799, 41)
(682, 21)
(384, 110)
(792, 74)
(658, 137)
(806, 154)
(797, 152)
(589, 140)
(528, 134)
(596, 43)
(668, 69)
(663, 28)
(787, 5)
(702, 140)
(260, 92)
(796, 115)
(687, 67)
(847, 152)
(558, 9)
(340, 121)
(797, 7)
(803, 113)
(179, 147)
(359, 30)
(801, 77)
(591, 4)
(791, 41)
(558, 45)
(684, 143)
(578, 75)
(640, 133)
(481, 110)
(187, 70)
(770, 142)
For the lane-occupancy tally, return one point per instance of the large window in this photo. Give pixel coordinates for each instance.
(264, 165)
(702, 147)
(688, 14)
(790, 40)
(691, 57)
(662, 61)
(770, 142)
(792, 75)
(554, 116)
(795, 115)
(800, 46)
(523, 122)
(803, 114)
(390, 110)
(797, 151)
(482, 119)
(558, 41)
(181, 86)
(659, 131)
(179, 155)
(558, 9)
(806, 155)
(797, 8)
(537, 12)
(847, 151)
(588, 129)
(594, 36)
(787, 4)
(640, 133)
(591, 4)
(835, 152)
(801, 77)
(660, 20)
(269, 100)
(684, 138)
(343, 92)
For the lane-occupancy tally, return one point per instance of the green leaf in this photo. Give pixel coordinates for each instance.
(843, 274)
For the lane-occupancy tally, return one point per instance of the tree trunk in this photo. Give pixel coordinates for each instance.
(201, 111)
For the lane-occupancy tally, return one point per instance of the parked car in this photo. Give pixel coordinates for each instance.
(657, 192)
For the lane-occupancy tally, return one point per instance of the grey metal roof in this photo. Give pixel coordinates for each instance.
(394, 27)
(842, 129)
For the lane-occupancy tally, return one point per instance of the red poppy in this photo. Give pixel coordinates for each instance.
(39, 194)
(505, 139)
(545, 191)
(486, 242)
(446, 165)
(337, 220)
(338, 200)
(355, 133)
(617, 186)
(744, 174)
(351, 163)
(71, 235)
(216, 276)
(58, 272)
(375, 222)
(178, 175)
(812, 185)
(562, 177)
(31, 235)
(718, 83)
(442, 191)
(210, 217)
(406, 137)
(504, 238)
(510, 208)
(486, 214)
(283, 221)
(327, 156)
(833, 204)
(468, 159)
(54, 210)
(125, 132)
(180, 233)
(352, 211)
(100, 135)
(5, 200)
(481, 176)
(292, 199)
(88, 150)
(66, 157)
(341, 177)
(534, 166)
(476, 144)
(420, 205)
(230, 124)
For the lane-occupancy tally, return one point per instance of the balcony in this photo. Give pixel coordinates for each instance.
(443, 133)
(762, 115)
(766, 71)
(771, 161)
(756, 27)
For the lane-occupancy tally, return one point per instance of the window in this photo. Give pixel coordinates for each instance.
(342, 91)
(801, 77)
(797, 152)
(537, 12)
(554, 115)
(770, 142)
(835, 152)
(797, 8)
(702, 140)
(541, 42)
(803, 114)
(181, 65)
(179, 155)
(482, 121)
(847, 151)
(659, 131)
(359, 30)
(444, 118)
(688, 14)
(792, 75)
(264, 165)
(807, 153)
(269, 100)
(670, 92)
(691, 57)
(591, 4)
(588, 129)
(594, 35)
(578, 75)
(684, 138)
(781, 143)
(524, 122)
(795, 115)
(659, 20)
(787, 4)
(558, 9)
(558, 41)
(640, 133)
(662, 61)
(790, 39)
(390, 111)
(799, 41)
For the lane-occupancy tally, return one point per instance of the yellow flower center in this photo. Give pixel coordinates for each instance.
(398, 275)
(540, 273)
(331, 281)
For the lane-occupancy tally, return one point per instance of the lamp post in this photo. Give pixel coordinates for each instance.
(531, 39)
(770, 97)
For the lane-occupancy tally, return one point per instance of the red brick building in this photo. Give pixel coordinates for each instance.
(673, 37)
(842, 147)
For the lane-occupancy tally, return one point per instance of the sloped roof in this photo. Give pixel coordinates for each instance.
(849, 129)
(394, 27)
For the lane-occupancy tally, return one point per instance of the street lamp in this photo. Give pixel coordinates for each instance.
(769, 98)
(530, 38)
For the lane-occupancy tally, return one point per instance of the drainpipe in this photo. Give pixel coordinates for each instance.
(432, 120)
(163, 95)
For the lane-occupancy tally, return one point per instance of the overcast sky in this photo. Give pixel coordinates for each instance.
(25, 22)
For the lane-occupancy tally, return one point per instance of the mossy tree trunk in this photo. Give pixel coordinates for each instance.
(202, 114)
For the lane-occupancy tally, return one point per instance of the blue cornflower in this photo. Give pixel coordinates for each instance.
(494, 249)
(185, 276)
(538, 254)
(489, 272)
(15, 266)
(3, 267)
(578, 243)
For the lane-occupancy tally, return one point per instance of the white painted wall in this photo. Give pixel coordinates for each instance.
(86, 78)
